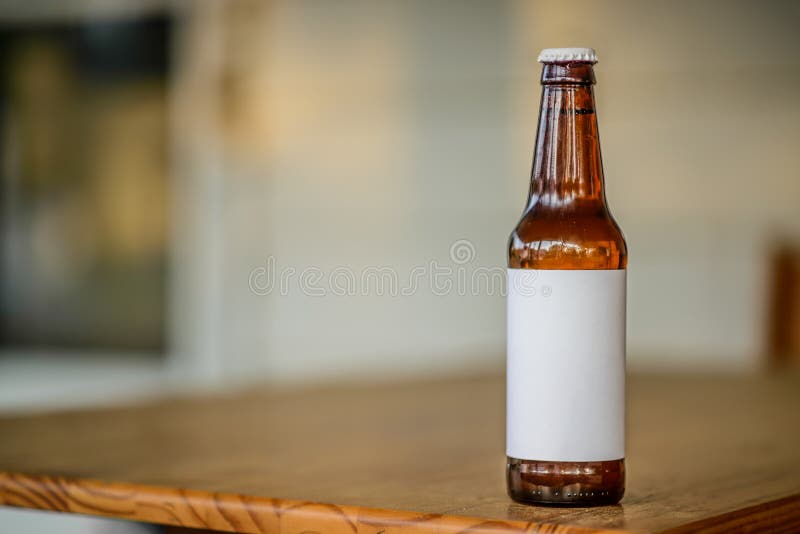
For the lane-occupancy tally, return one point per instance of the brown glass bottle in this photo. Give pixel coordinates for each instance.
(566, 225)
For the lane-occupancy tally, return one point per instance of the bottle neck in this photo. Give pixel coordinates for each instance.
(567, 167)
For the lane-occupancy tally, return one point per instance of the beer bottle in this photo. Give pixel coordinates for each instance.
(565, 440)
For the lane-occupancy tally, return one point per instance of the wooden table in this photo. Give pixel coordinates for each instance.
(715, 453)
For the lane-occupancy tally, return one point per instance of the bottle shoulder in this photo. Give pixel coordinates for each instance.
(563, 240)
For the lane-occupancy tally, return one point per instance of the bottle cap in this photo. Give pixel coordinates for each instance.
(568, 55)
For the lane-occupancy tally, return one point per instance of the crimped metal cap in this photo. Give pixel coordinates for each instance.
(568, 55)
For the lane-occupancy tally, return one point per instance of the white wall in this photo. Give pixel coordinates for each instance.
(365, 134)
(378, 134)
(389, 132)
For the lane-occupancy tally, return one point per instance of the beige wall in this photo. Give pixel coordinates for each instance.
(378, 134)
(365, 135)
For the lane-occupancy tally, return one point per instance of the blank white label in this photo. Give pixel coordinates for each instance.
(566, 365)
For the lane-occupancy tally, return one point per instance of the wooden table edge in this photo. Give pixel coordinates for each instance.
(780, 515)
(229, 512)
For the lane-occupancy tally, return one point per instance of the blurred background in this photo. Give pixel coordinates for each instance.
(175, 175)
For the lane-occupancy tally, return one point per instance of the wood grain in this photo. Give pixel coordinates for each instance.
(413, 457)
(234, 513)
(778, 516)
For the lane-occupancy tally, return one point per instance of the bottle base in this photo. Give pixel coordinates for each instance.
(565, 483)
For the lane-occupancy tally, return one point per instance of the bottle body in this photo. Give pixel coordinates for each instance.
(567, 262)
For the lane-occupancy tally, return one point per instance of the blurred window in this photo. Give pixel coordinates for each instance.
(83, 184)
